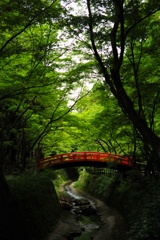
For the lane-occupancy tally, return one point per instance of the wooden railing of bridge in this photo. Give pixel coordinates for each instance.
(62, 160)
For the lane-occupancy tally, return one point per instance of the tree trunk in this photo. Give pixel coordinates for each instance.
(147, 134)
(112, 75)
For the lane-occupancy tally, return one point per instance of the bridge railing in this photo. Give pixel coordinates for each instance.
(84, 156)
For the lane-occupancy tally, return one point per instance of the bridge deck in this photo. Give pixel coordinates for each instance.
(85, 158)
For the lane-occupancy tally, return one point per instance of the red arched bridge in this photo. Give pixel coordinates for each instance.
(97, 159)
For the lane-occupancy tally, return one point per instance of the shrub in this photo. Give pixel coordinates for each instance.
(37, 202)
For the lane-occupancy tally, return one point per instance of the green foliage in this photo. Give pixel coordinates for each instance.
(37, 202)
(145, 223)
(136, 197)
(36, 78)
(100, 186)
(139, 199)
(32, 89)
(127, 65)
(61, 177)
(83, 180)
(40, 68)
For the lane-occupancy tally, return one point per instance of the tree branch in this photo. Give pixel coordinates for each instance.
(139, 21)
(135, 72)
(15, 35)
(96, 54)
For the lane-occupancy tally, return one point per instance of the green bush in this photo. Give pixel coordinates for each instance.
(136, 197)
(37, 202)
(146, 224)
(98, 185)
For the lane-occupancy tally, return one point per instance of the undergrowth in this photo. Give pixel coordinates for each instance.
(136, 197)
(37, 202)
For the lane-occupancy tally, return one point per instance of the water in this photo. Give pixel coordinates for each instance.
(76, 195)
(71, 193)
(89, 224)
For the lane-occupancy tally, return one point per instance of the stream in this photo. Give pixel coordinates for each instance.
(84, 210)
(95, 220)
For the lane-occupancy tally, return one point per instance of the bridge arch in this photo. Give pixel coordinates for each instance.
(97, 159)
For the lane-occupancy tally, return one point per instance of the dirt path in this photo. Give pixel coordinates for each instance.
(112, 227)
